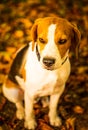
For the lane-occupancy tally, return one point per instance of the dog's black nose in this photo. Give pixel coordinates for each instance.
(48, 61)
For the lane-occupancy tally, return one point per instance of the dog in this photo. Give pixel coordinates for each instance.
(41, 68)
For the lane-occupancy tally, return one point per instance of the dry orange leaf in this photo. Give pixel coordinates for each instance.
(27, 23)
(70, 123)
(44, 126)
(11, 49)
(78, 109)
(18, 34)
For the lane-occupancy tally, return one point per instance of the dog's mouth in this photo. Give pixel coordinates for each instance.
(48, 68)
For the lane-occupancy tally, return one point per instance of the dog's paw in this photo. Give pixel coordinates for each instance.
(20, 114)
(30, 124)
(56, 121)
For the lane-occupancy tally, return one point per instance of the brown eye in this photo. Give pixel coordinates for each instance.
(62, 41)
(41, 40)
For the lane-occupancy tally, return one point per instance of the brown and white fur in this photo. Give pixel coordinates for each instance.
(41, 68)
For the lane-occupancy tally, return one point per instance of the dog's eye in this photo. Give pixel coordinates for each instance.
(41, 40)
(62, 41)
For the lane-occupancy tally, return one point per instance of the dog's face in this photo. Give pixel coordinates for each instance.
(54, 37)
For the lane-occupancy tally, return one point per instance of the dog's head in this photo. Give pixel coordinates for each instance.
(53, 37)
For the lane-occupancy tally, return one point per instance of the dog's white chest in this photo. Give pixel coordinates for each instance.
(42, 82)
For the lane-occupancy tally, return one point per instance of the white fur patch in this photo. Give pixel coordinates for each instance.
(51, 33)
(50, 49)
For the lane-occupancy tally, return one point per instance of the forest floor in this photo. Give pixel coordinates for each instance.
(16, 20)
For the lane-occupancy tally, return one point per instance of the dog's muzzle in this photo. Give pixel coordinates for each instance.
(48, 62)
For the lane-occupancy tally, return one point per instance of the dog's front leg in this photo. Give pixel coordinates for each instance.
(53, 115)
(30, 122)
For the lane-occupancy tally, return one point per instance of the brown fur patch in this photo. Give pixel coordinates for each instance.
(11, 84)
(63, 31)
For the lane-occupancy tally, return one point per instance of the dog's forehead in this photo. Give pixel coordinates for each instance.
(62, 25)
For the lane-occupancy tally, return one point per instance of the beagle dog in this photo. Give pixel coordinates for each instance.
(41, 68)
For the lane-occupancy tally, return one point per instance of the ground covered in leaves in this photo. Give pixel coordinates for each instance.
(16, 20)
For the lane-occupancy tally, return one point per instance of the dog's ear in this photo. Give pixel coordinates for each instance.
(76, 37)
(34, 32)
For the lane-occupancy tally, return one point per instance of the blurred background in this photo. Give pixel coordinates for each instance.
(16, 20)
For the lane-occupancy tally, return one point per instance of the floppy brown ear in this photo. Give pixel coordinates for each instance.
(34, 32)
(76, 37)
(34, 35)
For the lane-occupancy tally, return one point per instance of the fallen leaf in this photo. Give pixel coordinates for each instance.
(11, 49)
(70, 122)
(82, 69)
(78, 109)
(18, 34)
(44, 126)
